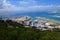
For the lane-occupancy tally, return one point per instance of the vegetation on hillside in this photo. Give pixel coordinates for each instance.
(23, 33)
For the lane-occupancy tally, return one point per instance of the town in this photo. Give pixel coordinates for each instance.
(40, 23)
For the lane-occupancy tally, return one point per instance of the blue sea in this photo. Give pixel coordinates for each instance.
(41, 14)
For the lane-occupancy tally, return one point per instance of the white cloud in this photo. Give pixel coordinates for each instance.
(56, 16)
(8, 9)
(29, 5)
(6, 4)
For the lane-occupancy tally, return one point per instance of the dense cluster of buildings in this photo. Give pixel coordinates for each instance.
(39, 23)
(42, 24)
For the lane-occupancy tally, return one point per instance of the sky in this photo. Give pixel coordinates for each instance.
(9, 7)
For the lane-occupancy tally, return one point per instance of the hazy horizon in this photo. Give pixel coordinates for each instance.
(12, 8)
